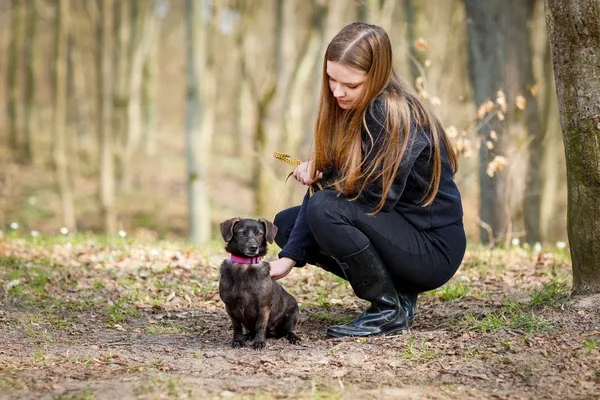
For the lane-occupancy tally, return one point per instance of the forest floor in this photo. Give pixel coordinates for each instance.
(91, 318)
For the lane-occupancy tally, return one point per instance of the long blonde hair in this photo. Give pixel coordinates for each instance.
(367, 48)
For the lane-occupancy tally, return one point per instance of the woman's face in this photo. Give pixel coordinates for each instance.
(345, 83)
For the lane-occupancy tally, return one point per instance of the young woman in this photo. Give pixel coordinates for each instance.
(389, 217)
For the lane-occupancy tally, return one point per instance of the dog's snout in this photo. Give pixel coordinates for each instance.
(253, 248)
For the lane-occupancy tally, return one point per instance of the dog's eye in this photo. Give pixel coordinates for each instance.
(259, 234)
(241, 233)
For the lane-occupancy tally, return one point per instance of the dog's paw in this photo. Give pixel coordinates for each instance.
(236, 344)
(258, 345)
(293, 338)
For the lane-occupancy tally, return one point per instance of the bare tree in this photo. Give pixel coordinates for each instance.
(81, 99)
(29, 82)
(271, 89)
(413, 56)
(13, 72)
(198, 196)
(574, 34)
(143, 24)
(105, 135)
(297, 98)
(381, 12)
(487, 57)
(60, 115)
(553, 171)
(240, 79)
(121, 63)
(521, 13)
(266, 128)
(149, 80)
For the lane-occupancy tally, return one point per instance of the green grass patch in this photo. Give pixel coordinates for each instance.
(58, 322)
(164, 328)
(454, 290)
(331, 317)
(552, 294)
(74, 239)
(10, 262)
(23, 279)
(119, 312)
(165, 385)
(38, 356)
(324, 391)
(474, 353)
(510, 317)
(77, 395)
(418, 352)
(591, 345)
(73, 305)
(320, 300)
(8, 383)
(481, 266)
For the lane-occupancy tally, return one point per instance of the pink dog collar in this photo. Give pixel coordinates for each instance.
(245, 260)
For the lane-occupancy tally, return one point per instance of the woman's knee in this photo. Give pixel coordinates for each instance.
(284, 221)
(324, 207)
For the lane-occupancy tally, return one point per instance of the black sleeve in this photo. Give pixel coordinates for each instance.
(301, 237)
(419, 142)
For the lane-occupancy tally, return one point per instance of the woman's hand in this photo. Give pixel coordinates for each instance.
(302, 174)
(280, 268)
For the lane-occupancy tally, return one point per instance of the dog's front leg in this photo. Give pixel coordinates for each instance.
(262, 319)
(239, 339)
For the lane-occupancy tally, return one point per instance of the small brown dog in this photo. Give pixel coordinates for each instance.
(254, 301)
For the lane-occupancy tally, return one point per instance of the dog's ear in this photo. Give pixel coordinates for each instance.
(227, 228)
(270, 229)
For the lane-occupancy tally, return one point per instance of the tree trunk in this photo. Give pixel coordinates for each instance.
(13, 73)
(574, 33)
(242, 102)
(198, 196)
(60, 115)
(414, 60)
(302, 103)
(150, 70)
(486, 45)
(533, 191)
(81, 100)
(144, 26)
(121, 64)
(30, 84)
(105, 135)
(553, 157)
(521, 13)
(209, 91)
(381, 12)
(268, 122)
(330, 22)
(297, 97)
(362, 11)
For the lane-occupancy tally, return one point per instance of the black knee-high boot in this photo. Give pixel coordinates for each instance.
(409, 303)
(371, 281)
(328, 263)
(408, 299)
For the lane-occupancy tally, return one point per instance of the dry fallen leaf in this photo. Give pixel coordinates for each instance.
(421, 44)
(521, 102)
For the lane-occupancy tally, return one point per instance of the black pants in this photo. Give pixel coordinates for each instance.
(417, 260)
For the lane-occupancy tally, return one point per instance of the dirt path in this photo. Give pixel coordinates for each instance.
(122, 321)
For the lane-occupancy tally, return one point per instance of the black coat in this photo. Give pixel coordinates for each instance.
(406, 194)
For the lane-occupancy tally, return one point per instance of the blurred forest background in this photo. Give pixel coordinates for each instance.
(159, 118)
